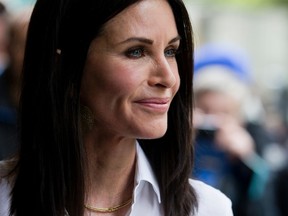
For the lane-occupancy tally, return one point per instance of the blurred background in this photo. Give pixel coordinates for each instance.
(14, 5)
(250, 39)
(260, 28)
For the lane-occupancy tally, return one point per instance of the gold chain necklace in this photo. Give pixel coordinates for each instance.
(110, 209)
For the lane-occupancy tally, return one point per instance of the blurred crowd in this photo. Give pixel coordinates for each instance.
(13, 29)
(235, 151)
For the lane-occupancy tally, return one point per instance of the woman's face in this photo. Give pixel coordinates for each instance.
(131, 75)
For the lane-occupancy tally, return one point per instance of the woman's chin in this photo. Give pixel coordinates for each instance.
(154, 134)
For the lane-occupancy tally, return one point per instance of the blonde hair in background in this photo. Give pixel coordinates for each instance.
(221, 79)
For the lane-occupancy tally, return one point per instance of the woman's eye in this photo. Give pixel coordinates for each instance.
(171, 52)
(135, 53)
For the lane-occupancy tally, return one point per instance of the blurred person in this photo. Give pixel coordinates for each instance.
(228, 142)
(280, 181)
(10, 84)
(105, 126)
(281, 129)
(280, 184)
(3, 36)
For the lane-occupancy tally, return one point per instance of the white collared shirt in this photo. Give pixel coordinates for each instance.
(4, 190)
(146, 196)
(147, 199)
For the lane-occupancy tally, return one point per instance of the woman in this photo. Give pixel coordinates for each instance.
(95, 131)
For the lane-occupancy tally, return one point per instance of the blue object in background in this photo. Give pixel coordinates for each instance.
(224, 55)
(212, 165)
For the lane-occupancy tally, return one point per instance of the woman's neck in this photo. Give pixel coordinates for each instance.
(110, 171)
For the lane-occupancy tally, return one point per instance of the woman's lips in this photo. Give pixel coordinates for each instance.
(160, 105)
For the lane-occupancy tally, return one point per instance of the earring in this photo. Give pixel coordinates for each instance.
(87, 117)
(58, 51)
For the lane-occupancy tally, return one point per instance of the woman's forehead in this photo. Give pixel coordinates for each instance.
(142, 19)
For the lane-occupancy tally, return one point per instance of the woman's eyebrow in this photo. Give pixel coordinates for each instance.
(147, 41)
(138, 39)
(175, 39)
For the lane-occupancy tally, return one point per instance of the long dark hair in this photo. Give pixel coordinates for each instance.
(49, 175)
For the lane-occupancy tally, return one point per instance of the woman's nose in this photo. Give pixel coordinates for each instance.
(164, 73)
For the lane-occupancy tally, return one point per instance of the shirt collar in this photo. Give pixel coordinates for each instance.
(144, 171)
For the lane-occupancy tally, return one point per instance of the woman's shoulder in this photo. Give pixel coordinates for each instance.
(210, 200)
(5, 185)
